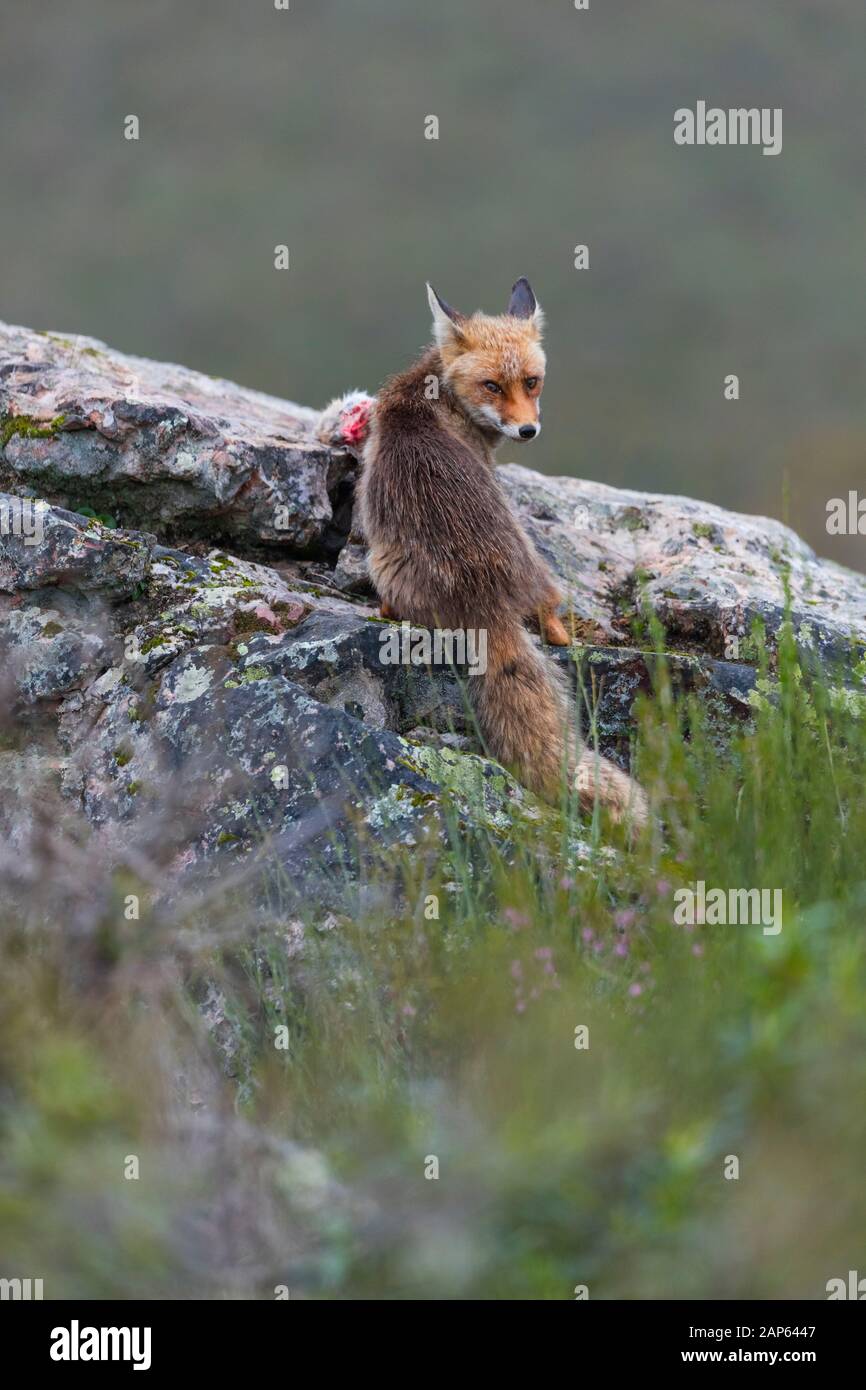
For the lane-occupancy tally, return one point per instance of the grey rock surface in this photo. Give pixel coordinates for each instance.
(238, 697)
(159, 446)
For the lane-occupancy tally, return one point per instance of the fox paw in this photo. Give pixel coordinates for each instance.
(555, 631)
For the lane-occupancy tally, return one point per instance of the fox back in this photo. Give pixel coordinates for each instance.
(447, 551)
(445, 546)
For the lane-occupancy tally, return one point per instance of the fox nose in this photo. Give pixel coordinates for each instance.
(528, 431)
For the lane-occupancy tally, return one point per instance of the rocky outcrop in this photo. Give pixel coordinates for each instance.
(187, 637)
(158, 446)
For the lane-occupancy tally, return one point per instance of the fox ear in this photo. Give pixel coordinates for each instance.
(447, 322)
(523, 304)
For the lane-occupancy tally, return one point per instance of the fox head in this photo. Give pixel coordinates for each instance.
(494, 364)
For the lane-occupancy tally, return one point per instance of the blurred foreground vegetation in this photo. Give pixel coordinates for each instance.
(412, 1038)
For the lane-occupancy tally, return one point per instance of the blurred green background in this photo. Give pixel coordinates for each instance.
(306, 127)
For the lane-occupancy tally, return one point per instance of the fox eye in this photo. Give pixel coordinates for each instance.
(531, 383)
(494, 387)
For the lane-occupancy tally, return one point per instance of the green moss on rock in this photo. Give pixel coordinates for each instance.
(25, 425)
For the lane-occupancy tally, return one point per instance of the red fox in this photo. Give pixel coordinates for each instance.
(446, 549)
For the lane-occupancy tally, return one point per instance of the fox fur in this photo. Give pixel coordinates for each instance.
(446, 549)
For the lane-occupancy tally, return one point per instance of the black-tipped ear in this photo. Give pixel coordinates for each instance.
(435, 300)
(447, 322)
(522, 304)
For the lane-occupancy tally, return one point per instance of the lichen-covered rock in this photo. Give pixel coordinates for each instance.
(60, 548)
(264, 780)
(253, 720)
(706, 573)
(159, 446)
(51, 646)
(245, 700)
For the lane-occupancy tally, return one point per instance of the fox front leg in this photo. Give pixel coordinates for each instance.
(553, 629)
(544, 599)
(550, 625)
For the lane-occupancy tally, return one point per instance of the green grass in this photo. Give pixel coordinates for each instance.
(446, 1031)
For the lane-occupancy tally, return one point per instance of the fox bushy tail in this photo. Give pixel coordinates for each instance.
(524, 714)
